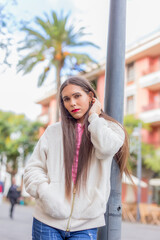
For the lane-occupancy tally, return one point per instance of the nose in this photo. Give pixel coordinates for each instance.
(73, 102)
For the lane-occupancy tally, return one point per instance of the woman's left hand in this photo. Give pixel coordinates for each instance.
(96, 107)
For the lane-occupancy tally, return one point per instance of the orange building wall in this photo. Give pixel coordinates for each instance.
(52, 111)
(154, 64)
(44, 109)
(100, 89)
(142, 67)
(145, 98)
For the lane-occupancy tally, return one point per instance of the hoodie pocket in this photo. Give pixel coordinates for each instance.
(52, 200)
(89, 206)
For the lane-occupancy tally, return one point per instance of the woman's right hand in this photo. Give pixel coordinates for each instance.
(96, 107)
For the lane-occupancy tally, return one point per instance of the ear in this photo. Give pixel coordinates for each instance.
(91, 95)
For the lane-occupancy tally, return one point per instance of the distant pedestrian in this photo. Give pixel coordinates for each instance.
(13, 195)
(69, 170)
(1, 191)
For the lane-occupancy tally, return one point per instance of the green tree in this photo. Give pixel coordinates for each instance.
(130, 122)
(54, 44)
(150, 154)
(152, 160)
(17, 139)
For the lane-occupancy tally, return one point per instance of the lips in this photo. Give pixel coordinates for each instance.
(75, 110)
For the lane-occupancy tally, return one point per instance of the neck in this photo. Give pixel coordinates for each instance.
(81, 121)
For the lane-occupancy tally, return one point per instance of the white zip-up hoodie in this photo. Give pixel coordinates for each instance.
(44, 177)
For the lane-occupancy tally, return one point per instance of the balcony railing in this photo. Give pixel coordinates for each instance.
(150, 114)
(151, 106)
(151, 80)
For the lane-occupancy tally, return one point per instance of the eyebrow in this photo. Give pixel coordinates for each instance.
(72, 95)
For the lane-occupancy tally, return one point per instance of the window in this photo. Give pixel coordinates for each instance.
(130, 105)
(130, 72)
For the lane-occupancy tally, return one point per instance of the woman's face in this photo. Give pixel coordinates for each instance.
(76, 101)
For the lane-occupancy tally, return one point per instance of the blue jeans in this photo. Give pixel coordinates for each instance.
(41, 231)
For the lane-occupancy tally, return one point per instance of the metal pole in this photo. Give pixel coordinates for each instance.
(114, 102)
(139, 170)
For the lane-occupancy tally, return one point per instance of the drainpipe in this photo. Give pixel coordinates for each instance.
(113, 106)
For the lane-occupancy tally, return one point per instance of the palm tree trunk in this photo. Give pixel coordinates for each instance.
(58, 78)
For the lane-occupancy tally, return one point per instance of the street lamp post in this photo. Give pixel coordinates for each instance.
(137, 133)
(139, 170)
(113, 106)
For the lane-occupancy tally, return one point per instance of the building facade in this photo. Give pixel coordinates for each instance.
(142, 91)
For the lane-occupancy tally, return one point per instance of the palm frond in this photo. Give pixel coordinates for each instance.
(42, 77)
(66, 17)
(47, 17)
(29, 44)
(55, 19)
(30, 67)
(44, 25)
(33, 33)
(82, 58)
(24, 60)
(27, 63)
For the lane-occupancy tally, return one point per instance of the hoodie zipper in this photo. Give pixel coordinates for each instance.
(68, 224)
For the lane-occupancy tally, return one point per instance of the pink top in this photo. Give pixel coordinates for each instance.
(79, 130)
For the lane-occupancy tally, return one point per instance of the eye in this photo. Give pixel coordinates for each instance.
(77, 95)
(65, 99)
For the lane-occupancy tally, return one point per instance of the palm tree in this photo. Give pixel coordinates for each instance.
(53, 44)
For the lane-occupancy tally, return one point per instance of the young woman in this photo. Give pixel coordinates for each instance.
(69, 170)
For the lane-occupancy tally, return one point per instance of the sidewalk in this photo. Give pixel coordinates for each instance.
(138, 231)
(20, 227)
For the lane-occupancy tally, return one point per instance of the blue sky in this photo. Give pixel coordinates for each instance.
(18, 93)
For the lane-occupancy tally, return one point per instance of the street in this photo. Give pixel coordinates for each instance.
(20, 227)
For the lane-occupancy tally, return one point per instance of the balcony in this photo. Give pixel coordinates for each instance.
(151, 81)
(151, 113)
(151, 106)
(130, 90)
(43, 118)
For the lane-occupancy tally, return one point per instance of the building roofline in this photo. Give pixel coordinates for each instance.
(143, 47)
(45, 95)
(93, 73)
